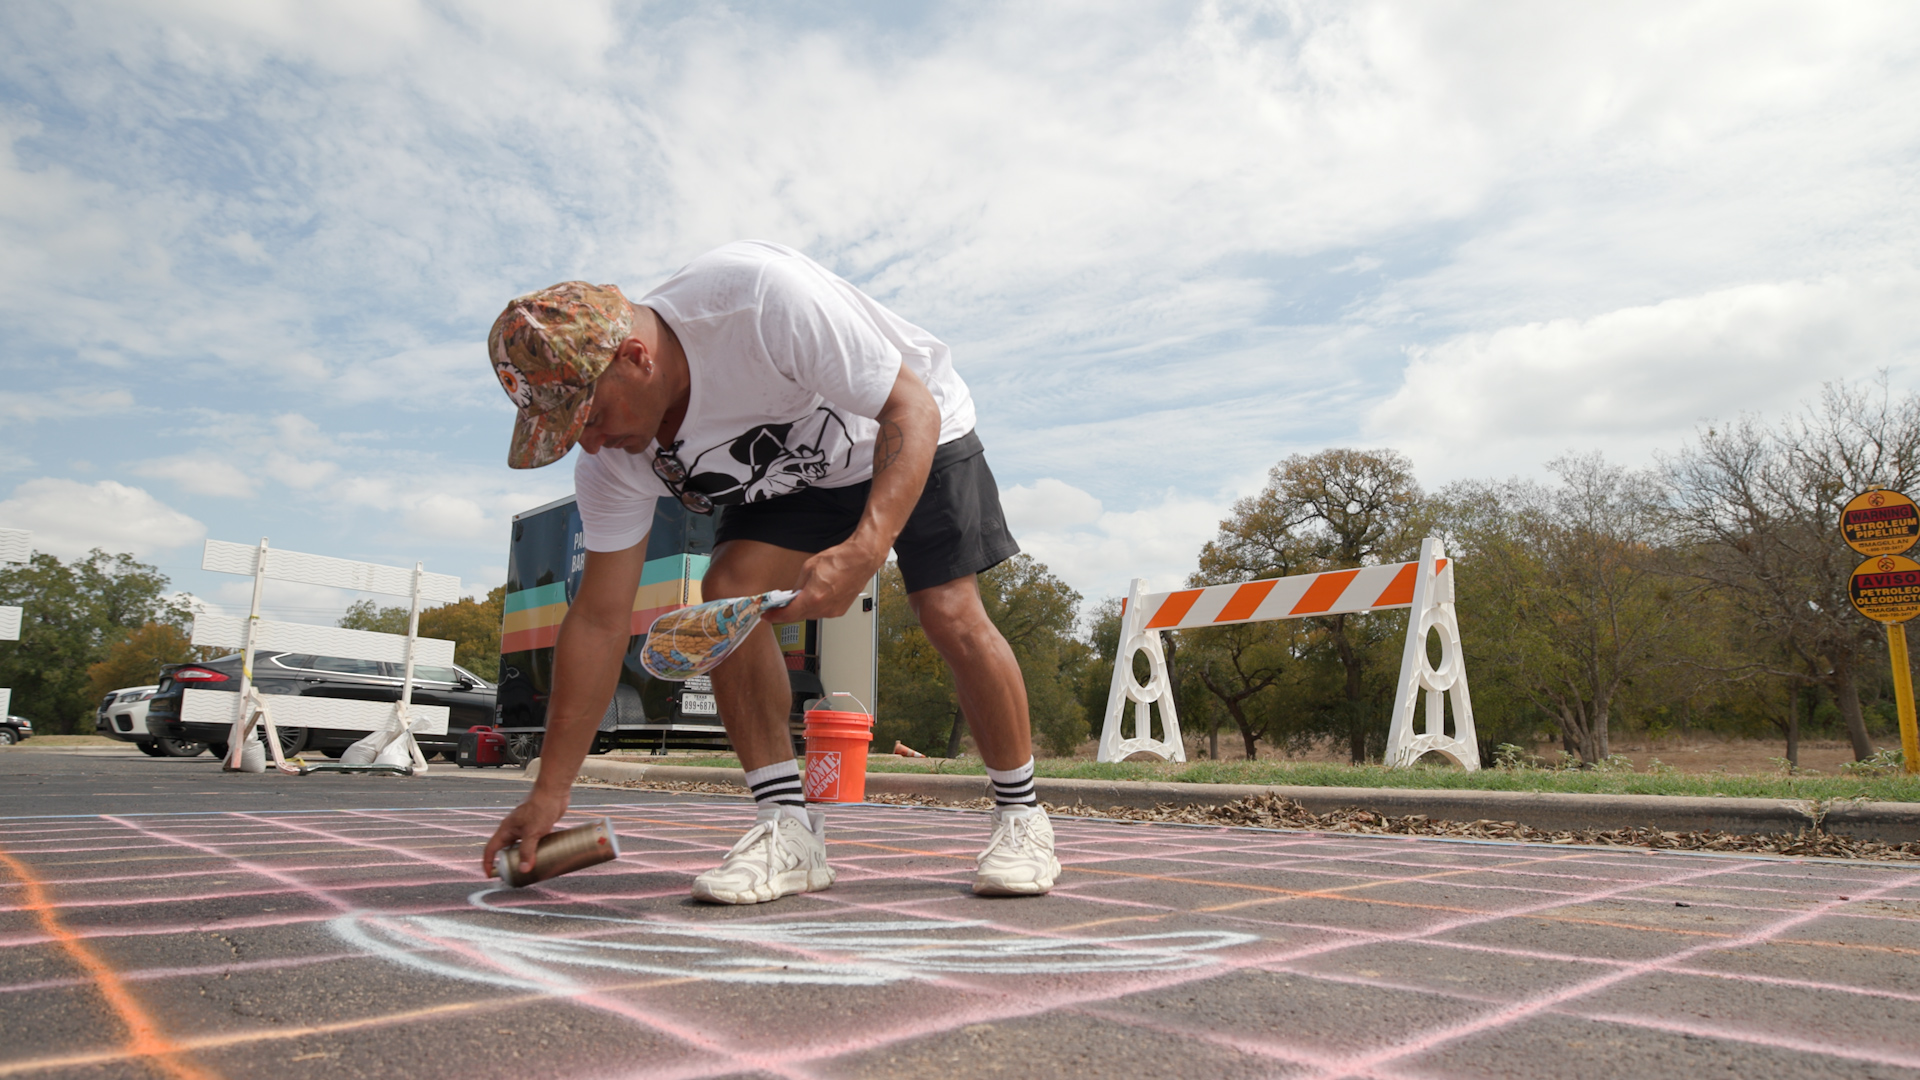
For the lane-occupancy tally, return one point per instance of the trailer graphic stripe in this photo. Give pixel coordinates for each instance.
(532, 616)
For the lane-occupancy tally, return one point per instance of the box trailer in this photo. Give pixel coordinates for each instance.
(544, 563)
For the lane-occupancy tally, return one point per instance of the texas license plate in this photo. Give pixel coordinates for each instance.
(698, 705)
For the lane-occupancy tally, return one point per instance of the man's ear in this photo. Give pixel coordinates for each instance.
(633, 352)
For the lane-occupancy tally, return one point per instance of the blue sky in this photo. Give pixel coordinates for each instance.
(252, 248)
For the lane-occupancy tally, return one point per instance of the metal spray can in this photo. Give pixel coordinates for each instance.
(559, 853)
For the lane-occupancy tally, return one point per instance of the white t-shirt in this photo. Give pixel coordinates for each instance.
(790, 365)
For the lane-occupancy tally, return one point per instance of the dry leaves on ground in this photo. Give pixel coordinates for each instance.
(1274, 812)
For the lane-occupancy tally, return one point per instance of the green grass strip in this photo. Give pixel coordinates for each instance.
(1889, 788)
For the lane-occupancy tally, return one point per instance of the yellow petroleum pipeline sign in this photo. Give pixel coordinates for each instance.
(1886, 589)
(1880, 523)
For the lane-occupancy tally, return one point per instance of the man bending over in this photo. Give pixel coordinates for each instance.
(825, 431)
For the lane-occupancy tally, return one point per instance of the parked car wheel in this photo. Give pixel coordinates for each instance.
(150, 748)
(523, 749)
(6, 737)
(292, 740)
(219, 750)
(180, 747)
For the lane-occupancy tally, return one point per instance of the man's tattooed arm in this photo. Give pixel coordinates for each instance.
(886, 446)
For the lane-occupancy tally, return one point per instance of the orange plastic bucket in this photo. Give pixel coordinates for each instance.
(837, 755)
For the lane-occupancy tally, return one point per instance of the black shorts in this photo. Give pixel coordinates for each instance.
(955, 529)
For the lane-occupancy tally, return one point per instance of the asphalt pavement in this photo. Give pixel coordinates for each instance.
(161, 919)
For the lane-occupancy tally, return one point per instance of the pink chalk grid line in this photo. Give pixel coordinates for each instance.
(1143, 914)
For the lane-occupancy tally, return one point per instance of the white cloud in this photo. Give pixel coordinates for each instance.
(201, 475)
(449, 517)
(1099, 552)
(66, 402)
(69, 518)
(1047, 505)
(1642, 377)
(1170, 244)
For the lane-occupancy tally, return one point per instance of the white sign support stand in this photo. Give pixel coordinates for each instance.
(252, 710)
(15, 547)
(402, 713)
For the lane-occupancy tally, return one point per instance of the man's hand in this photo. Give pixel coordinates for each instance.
(529, 821)
(830, 582)
(902, 455)
(586, 667)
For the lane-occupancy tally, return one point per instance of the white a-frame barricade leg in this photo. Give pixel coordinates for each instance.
(1156, 693)
(250, 710)
(15, 547)
(1446, 685)
(1424, 586)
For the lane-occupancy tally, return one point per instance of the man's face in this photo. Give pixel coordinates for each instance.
(627, 404)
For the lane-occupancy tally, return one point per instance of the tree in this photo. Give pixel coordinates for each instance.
(1577, 579)
(136, 660)
(472, 625)
(1762, 506)
(72, 615)
(1238, 665)
(917, 704)
(1034, 610)
(1326, 511)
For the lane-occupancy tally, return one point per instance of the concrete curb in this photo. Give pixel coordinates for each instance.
(1887, 822)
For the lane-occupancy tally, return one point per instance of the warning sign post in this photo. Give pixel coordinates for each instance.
(1880, 522)
(1886, 589)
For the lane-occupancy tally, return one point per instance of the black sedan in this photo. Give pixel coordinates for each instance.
(467, 697)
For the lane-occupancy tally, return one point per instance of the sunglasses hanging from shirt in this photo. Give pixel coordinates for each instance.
(673, 473)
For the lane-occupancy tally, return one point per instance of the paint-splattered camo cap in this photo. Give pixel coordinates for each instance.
(547, 348)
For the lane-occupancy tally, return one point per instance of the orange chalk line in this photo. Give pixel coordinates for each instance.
(1278, 894)
(144, 1037)
(239, 1038)
(244, 1038)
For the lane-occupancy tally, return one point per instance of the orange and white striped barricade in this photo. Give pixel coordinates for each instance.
(249, 708)
(15, 547)
(1429, 595)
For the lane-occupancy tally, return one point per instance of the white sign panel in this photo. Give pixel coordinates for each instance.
(340, 714)
(227, 558)
(15, 545)
(230, 632)
(9, 624)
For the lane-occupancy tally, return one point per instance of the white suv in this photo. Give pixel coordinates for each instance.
(123, 715)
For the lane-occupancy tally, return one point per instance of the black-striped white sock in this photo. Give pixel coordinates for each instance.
(1013, 787)
(778, 785)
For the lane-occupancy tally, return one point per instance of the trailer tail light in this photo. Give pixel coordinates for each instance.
(198, 675)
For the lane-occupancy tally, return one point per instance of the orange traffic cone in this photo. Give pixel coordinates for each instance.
(901, 749)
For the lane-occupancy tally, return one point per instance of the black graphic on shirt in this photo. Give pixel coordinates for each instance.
(772, 459)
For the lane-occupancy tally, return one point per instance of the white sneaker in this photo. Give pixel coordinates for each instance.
(1019, 858)
(777, 856)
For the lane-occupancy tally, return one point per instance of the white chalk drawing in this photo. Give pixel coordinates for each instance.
(850, 953)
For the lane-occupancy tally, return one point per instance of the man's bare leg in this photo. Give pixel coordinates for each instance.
(1019, 859)
(751, 686)
(785, 851)
(993, 695)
